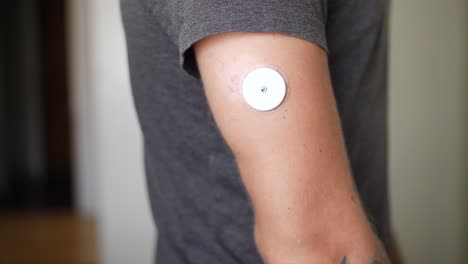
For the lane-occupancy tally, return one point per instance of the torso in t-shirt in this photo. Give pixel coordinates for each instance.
(199, 203)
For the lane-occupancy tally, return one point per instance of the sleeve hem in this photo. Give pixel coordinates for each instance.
(313, 31)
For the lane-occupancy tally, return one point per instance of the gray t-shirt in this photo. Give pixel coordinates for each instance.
(199, 203)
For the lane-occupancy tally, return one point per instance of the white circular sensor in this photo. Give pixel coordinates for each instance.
(264, 89)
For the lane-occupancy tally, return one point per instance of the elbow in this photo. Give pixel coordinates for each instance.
(291, 245)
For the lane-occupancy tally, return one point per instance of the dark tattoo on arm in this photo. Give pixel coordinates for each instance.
(344, 261)
(380, 257)
(373, 261)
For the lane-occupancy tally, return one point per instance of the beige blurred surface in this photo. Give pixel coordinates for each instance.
(428, 122)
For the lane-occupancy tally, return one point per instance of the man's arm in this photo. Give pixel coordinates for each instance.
(292, 159)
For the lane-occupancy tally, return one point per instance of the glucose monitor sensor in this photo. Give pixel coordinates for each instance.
(264, 89)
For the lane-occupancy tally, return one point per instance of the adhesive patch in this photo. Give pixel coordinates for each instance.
(264, 89)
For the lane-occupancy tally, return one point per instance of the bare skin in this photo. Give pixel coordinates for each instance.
(292, 159)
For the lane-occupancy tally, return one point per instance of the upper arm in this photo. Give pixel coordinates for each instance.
(304, 128)
(292, 159)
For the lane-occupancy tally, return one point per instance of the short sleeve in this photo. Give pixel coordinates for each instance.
(192, 20)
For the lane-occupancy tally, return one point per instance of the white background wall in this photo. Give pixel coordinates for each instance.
(110, 183)
(428, 57)
(427, 118)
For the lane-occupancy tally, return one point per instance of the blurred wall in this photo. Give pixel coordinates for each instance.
(428, 83)
(428, 128)
(83, 106)
(110, 181)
